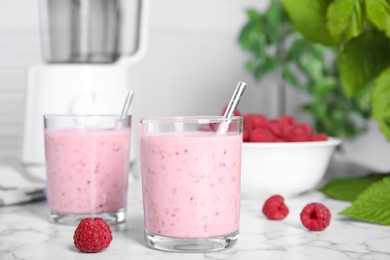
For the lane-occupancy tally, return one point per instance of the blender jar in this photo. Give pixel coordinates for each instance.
(80, 31)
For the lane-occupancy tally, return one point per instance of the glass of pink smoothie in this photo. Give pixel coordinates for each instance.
(87, 165)
(190, 182)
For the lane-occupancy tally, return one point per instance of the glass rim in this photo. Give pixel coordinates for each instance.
(48, 116)
(190, 119)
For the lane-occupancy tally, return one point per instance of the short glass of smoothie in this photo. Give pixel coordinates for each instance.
(87, 165)
(191, 182)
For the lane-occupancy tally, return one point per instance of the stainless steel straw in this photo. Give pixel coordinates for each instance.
(238, 92)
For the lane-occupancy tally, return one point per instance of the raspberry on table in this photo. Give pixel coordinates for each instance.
(315, 216)
(274, 208)
(92, 235)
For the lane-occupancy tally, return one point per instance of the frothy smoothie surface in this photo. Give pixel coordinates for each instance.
(191, 183)
(87, 170)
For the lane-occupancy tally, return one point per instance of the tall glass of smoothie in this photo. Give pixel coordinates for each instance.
(87, 165)
(191, 182)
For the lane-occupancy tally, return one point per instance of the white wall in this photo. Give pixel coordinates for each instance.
(193, 61)
(19, 47)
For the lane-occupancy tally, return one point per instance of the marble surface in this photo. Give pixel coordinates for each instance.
(25, 233)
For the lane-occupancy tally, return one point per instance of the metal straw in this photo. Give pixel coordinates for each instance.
(125, 110)
(238, 92)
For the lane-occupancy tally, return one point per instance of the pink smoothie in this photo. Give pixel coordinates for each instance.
(87, 170)
(191, 184)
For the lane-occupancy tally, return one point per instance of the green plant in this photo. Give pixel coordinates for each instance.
(369, 196)
(360, 31)
(274, 47)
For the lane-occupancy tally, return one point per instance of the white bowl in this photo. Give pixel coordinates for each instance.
(287, 169)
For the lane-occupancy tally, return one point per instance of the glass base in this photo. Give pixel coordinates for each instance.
(111, 217)
(190, 245)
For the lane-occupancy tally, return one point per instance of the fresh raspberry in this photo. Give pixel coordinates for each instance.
(92, 235)
(305, 128)
(319, 137)
(261, 135)
(258, 128)
(298, 138)
(246, 135)
(274, 208)
(297, 134)
(254, 121)
(286, 129)
(287, 120)
(315, 216)
(276, 128)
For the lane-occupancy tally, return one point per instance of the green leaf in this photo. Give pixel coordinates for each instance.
(291, 77)
(253, 15)
(309, 18)
(373, 204)
(380, 102)
(273, 14)
(324, 87)
(362, 101)
(362, 59)
(250, 35)
(378, 13)
(345, 18)
(249, 65)
(348, 188)
(296, 49)
(272, 20)
(312, 66)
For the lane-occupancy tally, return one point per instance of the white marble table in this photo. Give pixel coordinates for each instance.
(25, 233)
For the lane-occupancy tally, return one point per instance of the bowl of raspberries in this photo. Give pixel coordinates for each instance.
(282, 156)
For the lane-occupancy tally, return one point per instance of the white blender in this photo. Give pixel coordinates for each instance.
(84, 70)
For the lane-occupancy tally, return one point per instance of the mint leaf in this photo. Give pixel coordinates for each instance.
(362, 59)
(309, 18)
(373, 204)
(378, 13)
(345, 18)
(349, 188)
(380, 96)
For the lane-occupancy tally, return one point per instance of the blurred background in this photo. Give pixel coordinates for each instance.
(191, 66)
